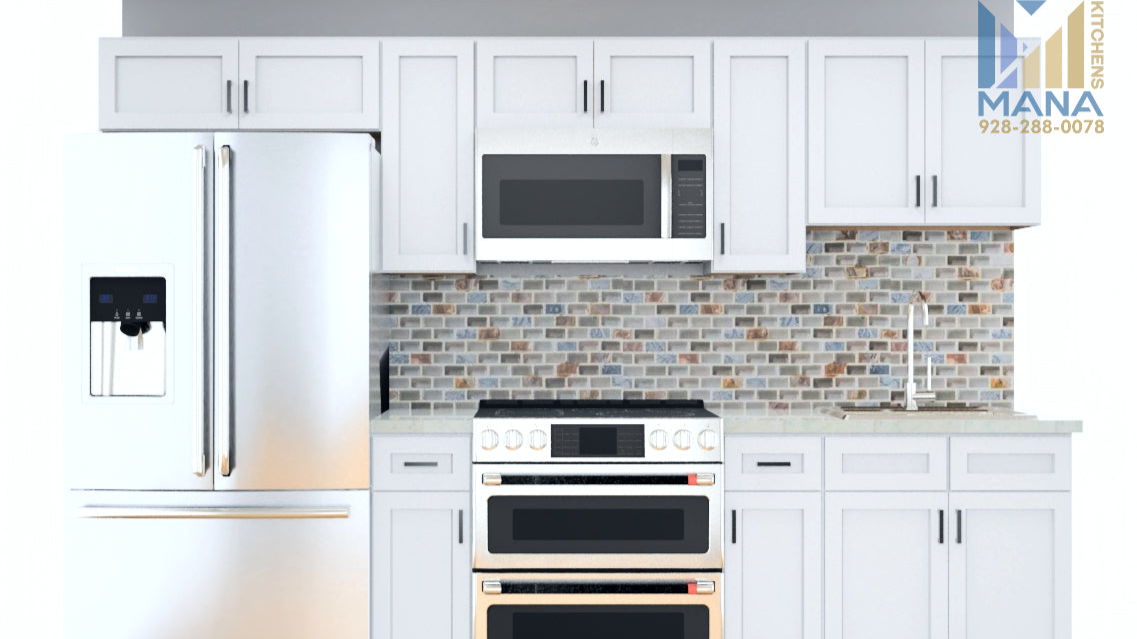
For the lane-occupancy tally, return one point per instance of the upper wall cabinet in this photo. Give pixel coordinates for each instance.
(866, 131)
(618, 83)
(975, 178)
(428, 156)
(167, 83)
(308, 84)
(759, 136)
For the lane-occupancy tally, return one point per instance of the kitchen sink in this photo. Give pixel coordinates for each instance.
(925, 412)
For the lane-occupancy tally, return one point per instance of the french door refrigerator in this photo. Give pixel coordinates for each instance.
(217, 311)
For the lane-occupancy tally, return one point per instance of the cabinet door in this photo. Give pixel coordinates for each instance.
(421, 565)
(976, 178)
(773, 566)
(663, 83)
(760, 156)
(535, 83)
(1010, 565)
(167, 83)
(866, 131)
(885, 566)
(428, 149)
(310, 83)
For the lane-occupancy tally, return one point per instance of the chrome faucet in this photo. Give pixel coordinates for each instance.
(911, 395)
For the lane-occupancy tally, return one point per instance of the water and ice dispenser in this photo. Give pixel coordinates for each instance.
(128, 336)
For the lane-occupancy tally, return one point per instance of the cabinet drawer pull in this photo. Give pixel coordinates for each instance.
(420, 464)
(774, 464)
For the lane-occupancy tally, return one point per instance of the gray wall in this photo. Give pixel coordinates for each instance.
(554, 17)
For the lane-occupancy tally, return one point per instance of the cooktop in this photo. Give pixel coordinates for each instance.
(576, 408)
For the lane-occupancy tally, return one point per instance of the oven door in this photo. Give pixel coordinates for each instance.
(597, 606)
(597, 516)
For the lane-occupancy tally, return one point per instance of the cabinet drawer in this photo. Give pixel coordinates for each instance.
(759, 462)
(420, 462)
(1010, 463)
(886, 463)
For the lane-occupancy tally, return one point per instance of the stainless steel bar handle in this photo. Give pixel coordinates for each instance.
(199, 319)
(144, 512)
(221, 316)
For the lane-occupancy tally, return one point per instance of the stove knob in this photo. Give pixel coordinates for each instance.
(658, 439)
(708, 439)
(538, 439)
(489, 440)
(682, 439)
(514, 439)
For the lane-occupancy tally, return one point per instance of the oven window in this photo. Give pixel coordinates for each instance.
(625, 525)
(571, 196)
(598, 622)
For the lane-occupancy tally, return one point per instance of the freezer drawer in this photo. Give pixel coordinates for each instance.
(221, 565)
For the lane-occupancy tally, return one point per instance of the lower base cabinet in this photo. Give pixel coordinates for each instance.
(421, 562)
(772, 576)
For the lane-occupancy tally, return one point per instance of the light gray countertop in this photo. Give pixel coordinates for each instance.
(405, 421)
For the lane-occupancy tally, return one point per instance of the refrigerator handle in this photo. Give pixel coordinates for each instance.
(199, 319)
(221, 304)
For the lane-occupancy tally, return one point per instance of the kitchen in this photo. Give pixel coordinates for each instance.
(753, 340)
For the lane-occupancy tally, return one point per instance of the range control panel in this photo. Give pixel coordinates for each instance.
(128, 299)
(688, 196)
(599, 440)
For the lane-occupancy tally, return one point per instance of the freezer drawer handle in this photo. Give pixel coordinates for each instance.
(123, 512)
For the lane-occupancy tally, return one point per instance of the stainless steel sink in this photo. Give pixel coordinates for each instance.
(925, 412)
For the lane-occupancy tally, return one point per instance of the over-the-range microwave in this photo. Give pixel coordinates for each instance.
(594, 195)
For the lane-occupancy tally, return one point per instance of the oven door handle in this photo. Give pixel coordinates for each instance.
(689, 479)
(696, 587)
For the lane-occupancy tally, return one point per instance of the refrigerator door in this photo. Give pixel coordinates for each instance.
(292, 340)
(138, 212)
(188, 565)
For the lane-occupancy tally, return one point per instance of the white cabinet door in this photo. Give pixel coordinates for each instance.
(1010, 566)
(428, 156)
(866, 131)
(886, 562)
(310, 83)
(975, 178)
(527, 83)
(421, 566)
(773, 566)
(167, 83)
(657, 83)
(760, 156)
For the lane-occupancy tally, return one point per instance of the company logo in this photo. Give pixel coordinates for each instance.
(1045, 73)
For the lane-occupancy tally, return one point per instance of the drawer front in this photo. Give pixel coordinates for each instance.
(886, 463)
(760, 462)
(1035, 463)
(420, 462)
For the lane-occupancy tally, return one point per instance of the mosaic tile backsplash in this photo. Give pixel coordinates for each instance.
(835, 334)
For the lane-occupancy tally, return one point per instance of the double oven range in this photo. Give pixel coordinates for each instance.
(597, 519)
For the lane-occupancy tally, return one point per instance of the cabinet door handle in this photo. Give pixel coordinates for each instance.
(959, 526)
(917, 191)
(586, 96)
(722, 238)
(228, 96)
(734, 526)
(935, 191)
(941, 526)
(460, 512)
(465, 238)
(247, 98)
(602, 96)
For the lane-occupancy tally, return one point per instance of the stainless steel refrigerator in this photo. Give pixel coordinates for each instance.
(217, 302)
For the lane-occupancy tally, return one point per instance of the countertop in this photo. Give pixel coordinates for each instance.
(405, 421)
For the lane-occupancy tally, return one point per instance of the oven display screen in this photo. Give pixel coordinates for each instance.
(598, 440)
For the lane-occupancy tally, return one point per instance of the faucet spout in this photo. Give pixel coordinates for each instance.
(911, 396)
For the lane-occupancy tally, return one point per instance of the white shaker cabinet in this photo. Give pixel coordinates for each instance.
(1010, 565)
(974, 177)
(421, 564)
(656, 83)
(535, 83)
(866, 131)
(886, 566)
(428, 156)
(309, 83)
(759, 140)
(167, 83)
(772, 570)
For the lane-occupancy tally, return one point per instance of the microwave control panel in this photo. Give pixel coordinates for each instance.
(688, 196)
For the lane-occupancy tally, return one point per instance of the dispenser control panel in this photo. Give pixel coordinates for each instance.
(128, 299)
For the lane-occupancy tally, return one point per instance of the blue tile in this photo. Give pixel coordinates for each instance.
(600, 285)
(1002, 333)
(879, 369)
(420, 309)
(868, 285)
(981, 236)
(400, 358)
(487, 382)
(656, 321)
(813, 248)
(600, 333)
(777, 284)
(688, 309)
(565, 347)
(655, 346)
(466, 358)
(666, 358)
(510, 285)
(755, 382)
(1009, 297)
(814, 271)
(867, 333)
(554, 309)
(822, 309)
(990, 395)
(956, 309)
(733, 333)
(900, 247)
(619, 381)
(938, 358)
(611, 369)
(924, 346)
(734, 358)
(722, 395)
(789, 321)
(480, 297)
(901, 297)
(633, 298)
(892, 382)
(466, 333)
(868, 236)
(454, 395)
(834, 347)
(1001, 358)
(523, 320)
(396, 346)
(744, 298)
(924, 273)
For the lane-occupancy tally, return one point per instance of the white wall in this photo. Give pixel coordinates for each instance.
(1074, 290)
